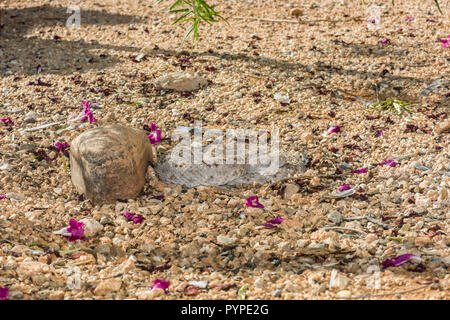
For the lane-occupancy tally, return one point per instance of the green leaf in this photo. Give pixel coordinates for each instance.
(200, 10)
(182, 17)
(64, 162)
(48, 170)
(242, 293)
(437, 5)
(34, 244)
(178, 2)
(66, 252)
(203, 3)
(187, 35)
(179, 10)
(391, 104)
(398, 239)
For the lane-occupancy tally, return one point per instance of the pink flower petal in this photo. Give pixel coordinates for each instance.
(4, 292)
(128, 215)
(389, 162)
(91, 118)
(138, 219)
(396, 261)
(161, 284)
(61, 146)
(272, 223)
(153, 126)
(155, 136)
(132, 217)
(359, 171)
(76, 230)
(334, 129)
(2, 197)
(87, 112)
(344, 187)
(277, 220)
(253, 202)
(7, 121)
(445, 42)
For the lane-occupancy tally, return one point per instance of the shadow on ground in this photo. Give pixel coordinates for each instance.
(20, 54)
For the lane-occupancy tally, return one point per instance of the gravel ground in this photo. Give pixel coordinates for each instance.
(204, 240)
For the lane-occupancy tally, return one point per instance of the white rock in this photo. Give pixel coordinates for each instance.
(423, 202)
(139, 57)
(281, 97)
(259, 283)
(202, 284)
(92, 226)
(277, 293)
(302, 243)
(224, 240)
(5, 166)
(344, 294)
(181, 81)
(338, 280)
(342, 194)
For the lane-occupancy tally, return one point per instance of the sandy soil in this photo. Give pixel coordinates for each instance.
(324, 60)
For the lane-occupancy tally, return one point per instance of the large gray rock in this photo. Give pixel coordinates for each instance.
(109, 163)
(180, 81)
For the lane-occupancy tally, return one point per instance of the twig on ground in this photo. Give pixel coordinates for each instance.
(300, 176)
(349, 235)
(368, 295)
(228, 191)
(267, 20)
(325, 265)
(385, 226)
(436, 218)
(270, 185)
(344, 229)
(295, 21)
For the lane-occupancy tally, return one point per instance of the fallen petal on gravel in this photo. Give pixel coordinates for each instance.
(397, 261)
